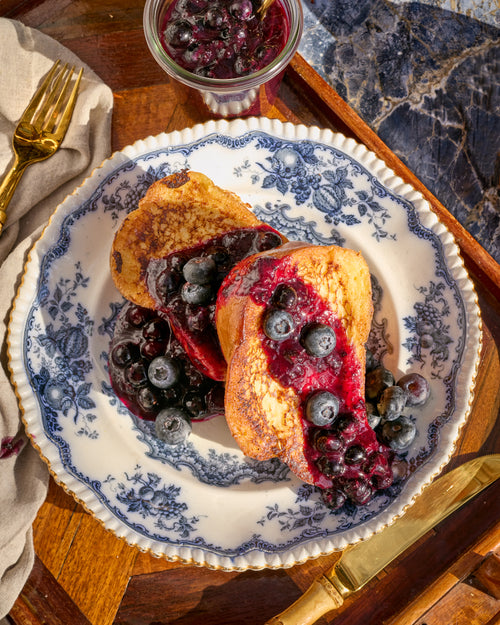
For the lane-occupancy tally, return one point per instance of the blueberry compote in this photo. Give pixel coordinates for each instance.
(150, 371)
(184, 286)
(223, 38)
(308, 350)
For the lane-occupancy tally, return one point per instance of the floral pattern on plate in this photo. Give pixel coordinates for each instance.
(204, 502)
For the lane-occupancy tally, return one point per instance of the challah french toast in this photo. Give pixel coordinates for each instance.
(292, 324)
(172, 253)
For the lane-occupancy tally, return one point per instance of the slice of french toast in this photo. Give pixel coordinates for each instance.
(178, 211)
(172, 253)
(292, 324)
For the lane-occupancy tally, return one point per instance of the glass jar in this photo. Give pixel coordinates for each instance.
(251, 94)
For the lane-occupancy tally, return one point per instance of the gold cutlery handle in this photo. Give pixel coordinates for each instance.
(7, 188)
(321, 597)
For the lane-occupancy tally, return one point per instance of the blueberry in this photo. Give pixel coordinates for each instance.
(284, 296)
(278, 324)
(215, 18)
(163, 372)
(241, 9)
(197, 294)
(123, 354)
(399, 434)
(417, 388)
(376, 381)
(372, 415)
(152, 349)
(355, 454)
(268, 241)
(219, 255)
(371, 361)
(172, 426)
(148, 400)
(156, 329)
(200, 270)
(322, 408)
(318, 340)
(178, 34)
(194, 403)
(138, 316)
(330, 468)
(167, 282)
(358, 490)
(392, 402)
(347, 426)
(333, 498)
(135, 374)
(327, 442)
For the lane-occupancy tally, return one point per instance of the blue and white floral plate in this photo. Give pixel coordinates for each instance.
(204, 502)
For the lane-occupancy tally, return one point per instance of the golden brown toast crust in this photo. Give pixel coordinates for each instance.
(263, 416)
(179, 211)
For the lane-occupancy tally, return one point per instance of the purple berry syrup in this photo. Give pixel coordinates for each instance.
(345, 458)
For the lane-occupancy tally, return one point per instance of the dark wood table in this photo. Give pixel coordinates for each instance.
(84, 574)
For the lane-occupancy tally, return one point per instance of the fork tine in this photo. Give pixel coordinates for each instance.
(63, 123)
(42, 115)
(38, 97)
(55, 100)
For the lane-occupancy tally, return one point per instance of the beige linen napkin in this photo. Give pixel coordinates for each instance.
(26, 56)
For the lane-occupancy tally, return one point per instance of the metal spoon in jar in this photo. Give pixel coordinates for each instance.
(262, 10)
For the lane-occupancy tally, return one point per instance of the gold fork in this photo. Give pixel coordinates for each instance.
(42, 127)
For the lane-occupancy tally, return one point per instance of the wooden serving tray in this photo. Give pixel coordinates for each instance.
(83, 574)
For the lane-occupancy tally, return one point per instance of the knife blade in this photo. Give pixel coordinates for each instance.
(361, 562)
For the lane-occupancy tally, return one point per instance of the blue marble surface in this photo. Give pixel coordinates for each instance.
(425, 76)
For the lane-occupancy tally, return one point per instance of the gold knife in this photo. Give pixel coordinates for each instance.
(361, 562)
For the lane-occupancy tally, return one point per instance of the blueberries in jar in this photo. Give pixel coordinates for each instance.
(318, 340)
(163, 372)
(417, 388)
(178, 34)
(399, 433)
(392, 402)
(215, 18)
(196, 294)
(241, 9)
(322, 408)
(172, 426)
(376, 381)
(278, 324)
